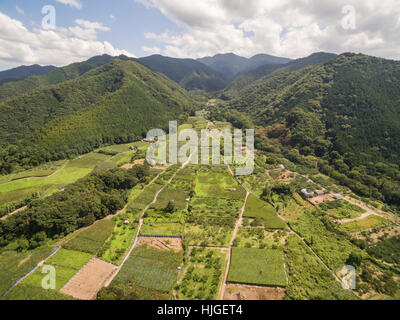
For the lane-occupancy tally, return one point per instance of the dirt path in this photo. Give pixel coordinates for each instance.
(370, 211)
(12, 213)
(234, 234)
(235, 231)
(291, 231)
(41, 263)
(141, 219)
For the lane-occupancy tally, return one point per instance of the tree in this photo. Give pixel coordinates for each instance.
(170, 208)
(355, 259)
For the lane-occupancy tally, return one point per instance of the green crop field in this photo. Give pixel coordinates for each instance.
(341, 209)
(257, 267)
(161, 229)
(29, 292)
(67, 263)
(93, 238)
(150, 268)
(15, 265)
(256, 208)
(217, 182)
(218, 207)
(204, 275)
(121, 238)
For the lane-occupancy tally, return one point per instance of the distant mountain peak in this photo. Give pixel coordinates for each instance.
(231, 65)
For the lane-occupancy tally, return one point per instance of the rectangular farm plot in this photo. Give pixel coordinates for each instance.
(67, 263)
(209, 231)
(93, 238)
(150, 228)
(204, 274)
(258, 209)
(257, 267)
(215, 207)
(217, 182)
(88, 282)
(121, 238)
(150, 268)
(14, 265)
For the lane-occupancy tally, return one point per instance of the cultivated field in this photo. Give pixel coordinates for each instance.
(243, 292)
(257, 266)
(88, 282)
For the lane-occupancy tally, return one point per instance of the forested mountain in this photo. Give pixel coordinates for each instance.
(189, 73)
(231, 65)
(117, 102)
(23, 72)
(265, 70)
(58, 75)
(344, 112)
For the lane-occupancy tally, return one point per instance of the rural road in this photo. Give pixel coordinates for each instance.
(235, 231)
(133, 246)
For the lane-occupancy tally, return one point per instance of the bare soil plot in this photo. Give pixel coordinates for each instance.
(88, 282)
(131, 165)
(167, 244)
(321, 199)
(242, 292)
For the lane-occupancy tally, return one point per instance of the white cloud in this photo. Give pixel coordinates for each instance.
(59, 47)
(292, 28)
(86, 29)
(72, 3)
(19, 10)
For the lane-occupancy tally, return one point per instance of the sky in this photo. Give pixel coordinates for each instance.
(193, 28)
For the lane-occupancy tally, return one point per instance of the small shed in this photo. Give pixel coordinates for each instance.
(338, 196)
(319, 192)
(127, 222)
(307, 193)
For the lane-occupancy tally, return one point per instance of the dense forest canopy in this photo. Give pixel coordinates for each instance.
(117, 102)
(344, 112)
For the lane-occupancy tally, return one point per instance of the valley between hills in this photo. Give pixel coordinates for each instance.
(77, 195)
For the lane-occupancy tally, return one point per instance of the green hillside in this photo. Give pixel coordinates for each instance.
(23, 72)
(189, 73)
(115, 103)
(267, 70)
(58, 75)
(343, 112)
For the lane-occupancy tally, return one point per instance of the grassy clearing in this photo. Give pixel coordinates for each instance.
(150, 268)
(168, 194)
(295, 208)
(43, 170)
(257, 267)
(258, 209)
(204, 275)
(367, 223)
(93, 238)
(161, 229)
(341, 209)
